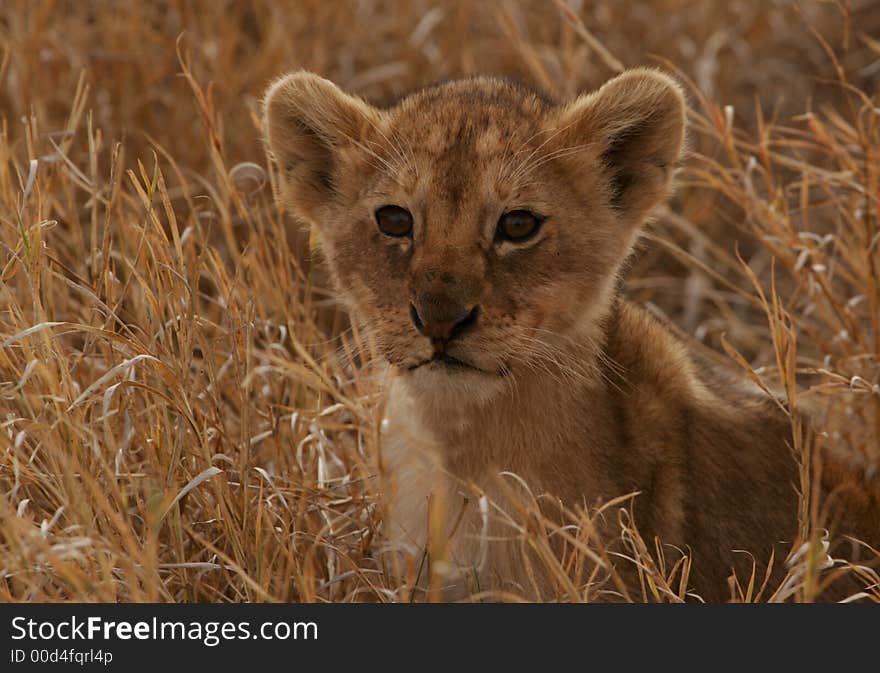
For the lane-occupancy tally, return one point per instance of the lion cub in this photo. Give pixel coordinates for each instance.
(477, 230)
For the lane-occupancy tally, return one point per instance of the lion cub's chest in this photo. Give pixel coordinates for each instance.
(452, 519)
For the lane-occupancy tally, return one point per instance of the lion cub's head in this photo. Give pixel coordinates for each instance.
(476, 227)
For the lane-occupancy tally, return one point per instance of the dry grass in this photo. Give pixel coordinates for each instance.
(185, 415)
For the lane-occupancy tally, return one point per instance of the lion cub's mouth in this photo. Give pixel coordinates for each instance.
(445, 360)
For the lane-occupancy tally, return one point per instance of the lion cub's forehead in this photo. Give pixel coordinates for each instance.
(480, 117)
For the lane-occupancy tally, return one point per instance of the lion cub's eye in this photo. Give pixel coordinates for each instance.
(394, 221)
(518, 225)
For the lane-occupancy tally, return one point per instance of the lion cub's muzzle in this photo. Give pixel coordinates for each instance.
(444, 306)
(442, 324)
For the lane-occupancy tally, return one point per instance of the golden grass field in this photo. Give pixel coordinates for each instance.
(185, 414)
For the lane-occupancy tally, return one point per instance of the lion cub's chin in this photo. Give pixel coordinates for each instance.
(438, 383)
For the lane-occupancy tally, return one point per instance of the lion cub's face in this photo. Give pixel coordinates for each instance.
(476, 227)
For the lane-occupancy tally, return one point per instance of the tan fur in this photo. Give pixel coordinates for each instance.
(581, 395)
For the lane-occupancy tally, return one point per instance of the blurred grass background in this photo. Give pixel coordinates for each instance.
(184, 413)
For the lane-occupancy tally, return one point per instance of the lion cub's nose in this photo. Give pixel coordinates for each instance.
(440, 324)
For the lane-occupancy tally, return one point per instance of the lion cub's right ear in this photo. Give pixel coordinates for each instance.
(307, 121)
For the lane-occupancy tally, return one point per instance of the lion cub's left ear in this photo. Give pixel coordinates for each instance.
(636, 122)
(308, 121)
